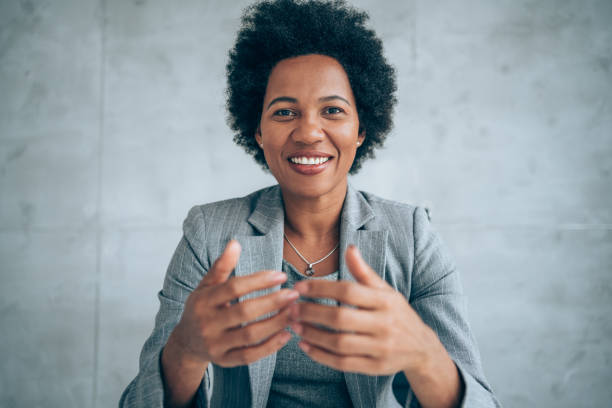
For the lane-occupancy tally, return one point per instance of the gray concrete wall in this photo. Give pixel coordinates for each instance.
(112, 126)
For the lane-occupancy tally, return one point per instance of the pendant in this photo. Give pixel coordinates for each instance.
(310, 270)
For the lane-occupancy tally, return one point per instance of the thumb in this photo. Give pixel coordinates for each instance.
(224, 265)
(362, 272)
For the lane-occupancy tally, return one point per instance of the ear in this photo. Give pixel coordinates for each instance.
(361, 136)
(258, 137)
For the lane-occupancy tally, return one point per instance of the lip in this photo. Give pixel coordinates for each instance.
(309, 153)
(309, 169)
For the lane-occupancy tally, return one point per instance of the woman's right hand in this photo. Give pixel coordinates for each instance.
(215, 329)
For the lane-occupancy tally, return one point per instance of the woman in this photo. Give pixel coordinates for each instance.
(373, 302)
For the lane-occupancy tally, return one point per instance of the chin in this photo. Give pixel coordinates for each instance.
(314, 189)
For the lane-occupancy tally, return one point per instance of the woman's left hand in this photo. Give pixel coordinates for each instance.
(381, 335)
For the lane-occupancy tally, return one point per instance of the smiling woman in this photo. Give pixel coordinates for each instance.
(310, 128)
(309, 292)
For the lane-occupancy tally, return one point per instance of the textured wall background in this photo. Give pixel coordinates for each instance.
(112, 127)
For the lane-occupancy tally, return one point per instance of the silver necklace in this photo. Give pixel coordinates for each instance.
(310, 270)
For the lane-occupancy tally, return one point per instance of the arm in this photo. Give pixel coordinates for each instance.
(185, 271)
(437, 297)
(425, 338)
(200, 322)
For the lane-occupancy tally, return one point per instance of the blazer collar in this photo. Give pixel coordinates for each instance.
(265, 251)
(269, 211)
(358, 227)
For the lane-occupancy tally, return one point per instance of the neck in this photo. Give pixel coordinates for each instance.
(313, 218)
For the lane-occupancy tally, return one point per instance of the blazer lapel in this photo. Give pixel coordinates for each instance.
(356, 213)
(357, 227)
(263, 252)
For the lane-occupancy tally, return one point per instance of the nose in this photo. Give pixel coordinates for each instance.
(309, 130)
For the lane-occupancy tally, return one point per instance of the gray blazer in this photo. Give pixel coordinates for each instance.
(395, 239)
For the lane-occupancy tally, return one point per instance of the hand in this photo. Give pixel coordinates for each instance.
(213, 329)
(382, 336)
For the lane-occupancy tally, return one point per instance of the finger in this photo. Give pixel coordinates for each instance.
(255, 333)
(247, 355)
(346, 292)
(346, 344)
(337, 317)
(362, 272)
(356, 364)
(251, 309)
(240, 286)
(223, 266)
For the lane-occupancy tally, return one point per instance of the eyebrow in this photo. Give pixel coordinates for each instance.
(281, 99)
(294, 100)
(332, 97)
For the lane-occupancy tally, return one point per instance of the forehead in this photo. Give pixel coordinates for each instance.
(308, 76)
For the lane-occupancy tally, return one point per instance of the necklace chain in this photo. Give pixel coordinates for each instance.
(310, 270)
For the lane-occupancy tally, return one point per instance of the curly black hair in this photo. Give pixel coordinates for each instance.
(272, 31)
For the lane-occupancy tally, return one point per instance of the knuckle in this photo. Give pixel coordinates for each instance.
(280, 297)
(386, 302)
(215, 352)
(233, 288)
(387, 325)
(340, 315)
(215, 265)
(279, 320)
(384, 331)
(248, 335)
(205, 331)
(242, 312)
(385, 349)
(218, 265)
(348, 290)
(343, 364)
(377, 366)
(244, 358)
(195, 302)
(341, 342)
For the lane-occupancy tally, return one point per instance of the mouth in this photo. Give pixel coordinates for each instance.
(309, 163)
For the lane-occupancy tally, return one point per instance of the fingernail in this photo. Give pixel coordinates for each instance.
(290, 295)
(301, 287)
(277, 276)
(297, 328)
(284, 337)
(234, 242)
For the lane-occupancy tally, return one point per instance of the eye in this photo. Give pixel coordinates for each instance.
(284, 112)
(333, 110)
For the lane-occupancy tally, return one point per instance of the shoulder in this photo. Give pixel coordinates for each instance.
(408, 224)
(392, 214)
(414, 245)
(215, 214)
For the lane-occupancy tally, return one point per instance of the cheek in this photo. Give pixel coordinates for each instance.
(272, 152)
(347, 143)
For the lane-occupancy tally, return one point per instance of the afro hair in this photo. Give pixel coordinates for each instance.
(272, 31)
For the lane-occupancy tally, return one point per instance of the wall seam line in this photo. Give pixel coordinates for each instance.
(98, 272)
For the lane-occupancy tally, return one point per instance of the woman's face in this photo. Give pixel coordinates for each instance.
(309, 125)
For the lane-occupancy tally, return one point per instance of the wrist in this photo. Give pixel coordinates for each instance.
(176, 352)
(428, 359)
(435, 379)
(181, 375)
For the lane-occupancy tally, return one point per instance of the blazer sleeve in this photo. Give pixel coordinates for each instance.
(437, 296)
(187, 267)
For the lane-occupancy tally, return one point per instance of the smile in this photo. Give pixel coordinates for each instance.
(309, 160)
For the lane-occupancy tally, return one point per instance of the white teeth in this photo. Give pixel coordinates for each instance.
(309, 160)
